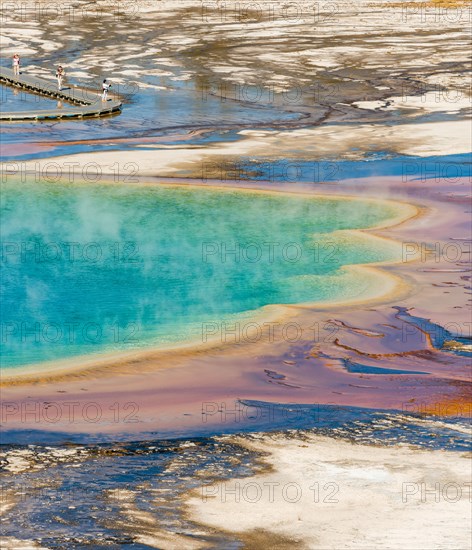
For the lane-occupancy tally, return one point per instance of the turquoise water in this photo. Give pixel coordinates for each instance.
(89, 269)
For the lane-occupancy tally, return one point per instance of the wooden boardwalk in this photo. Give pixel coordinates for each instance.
(85, 103)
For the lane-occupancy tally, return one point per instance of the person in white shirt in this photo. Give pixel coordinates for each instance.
(105, 87)
(60, 73)
(16, 64)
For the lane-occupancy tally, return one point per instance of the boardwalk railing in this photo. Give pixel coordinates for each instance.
(85, 103)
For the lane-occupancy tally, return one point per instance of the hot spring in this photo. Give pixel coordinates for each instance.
(104, 268)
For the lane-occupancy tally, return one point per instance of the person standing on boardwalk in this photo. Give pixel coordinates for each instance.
(60, 73)
(105, 87)
(16, 64)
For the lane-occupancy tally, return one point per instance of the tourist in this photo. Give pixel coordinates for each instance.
(16, 64)
(60, 73)
(105, 87)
